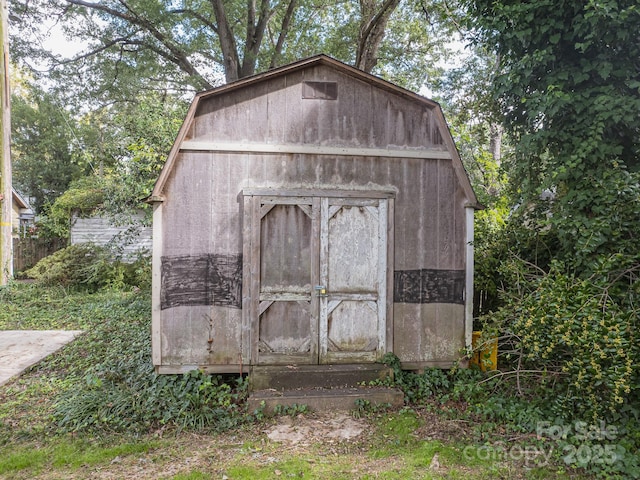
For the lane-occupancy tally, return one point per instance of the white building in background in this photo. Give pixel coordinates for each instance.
(128, 240)
(22, 216)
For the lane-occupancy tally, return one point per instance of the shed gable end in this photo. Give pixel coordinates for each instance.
(316, 106)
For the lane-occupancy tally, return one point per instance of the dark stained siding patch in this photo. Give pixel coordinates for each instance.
(201, 280)
(428, 286)
(320, 90)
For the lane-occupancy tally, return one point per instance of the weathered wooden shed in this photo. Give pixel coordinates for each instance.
(313, 214)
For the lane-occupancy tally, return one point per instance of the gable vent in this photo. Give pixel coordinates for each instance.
(320, 90)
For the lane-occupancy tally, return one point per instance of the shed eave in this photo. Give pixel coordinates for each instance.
(19, 201)
(154, 199)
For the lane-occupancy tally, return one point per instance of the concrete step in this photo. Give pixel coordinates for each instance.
(326, 399)
(289, 377)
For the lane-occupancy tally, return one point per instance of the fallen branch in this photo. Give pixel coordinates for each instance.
(518, 372)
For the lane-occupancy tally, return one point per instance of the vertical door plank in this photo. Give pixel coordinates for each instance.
(255, 276)
(389, 319)
(247, 286)
(315, 276)
(323, 334)
(381, 217)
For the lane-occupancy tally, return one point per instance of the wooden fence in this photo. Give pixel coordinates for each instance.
(28, 251)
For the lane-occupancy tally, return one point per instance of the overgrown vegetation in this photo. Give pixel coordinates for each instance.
(90, 267)
(560, 275)
(518, 405)
(127, 396)
(83, 197)
(105, 382)
(97, 404)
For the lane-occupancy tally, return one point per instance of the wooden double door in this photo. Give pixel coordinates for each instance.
(317, 270)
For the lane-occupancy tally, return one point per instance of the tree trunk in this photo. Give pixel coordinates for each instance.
(372, 30)
(227, 42)
(495, 141)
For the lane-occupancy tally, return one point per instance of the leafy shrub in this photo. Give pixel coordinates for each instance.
(133, 398)
(83, 196)
(77, 265)
(433, 383)
(89, 267)
(119, 390)
(575, 348)
(581, 332)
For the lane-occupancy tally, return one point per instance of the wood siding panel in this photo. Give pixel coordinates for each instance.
(320, 117)
(459, 228)
(291, 97)
(354, 104)
(447, 212)
(194, 216)
(277, 103)
(417, 207)
(186, 214)
(186, 334)
(211, 121)
(432, 197)
(428, 333)
(226, 209)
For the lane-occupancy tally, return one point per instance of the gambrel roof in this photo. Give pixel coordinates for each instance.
(447, 149)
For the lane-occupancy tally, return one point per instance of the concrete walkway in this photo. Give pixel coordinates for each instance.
(19, 349)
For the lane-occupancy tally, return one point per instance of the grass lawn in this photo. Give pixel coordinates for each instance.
(43, 437)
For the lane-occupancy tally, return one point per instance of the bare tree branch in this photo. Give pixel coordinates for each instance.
(196, 15)
(95, 51)
(176, 56)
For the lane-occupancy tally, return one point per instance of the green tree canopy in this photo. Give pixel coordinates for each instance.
(194, 45)
(136, 53)
(569, 90)
(569, 84)
(44, 158)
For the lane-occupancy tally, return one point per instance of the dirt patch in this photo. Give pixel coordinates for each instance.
(321, 440)
(309, 436)
(435, 427)
(306, 431)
